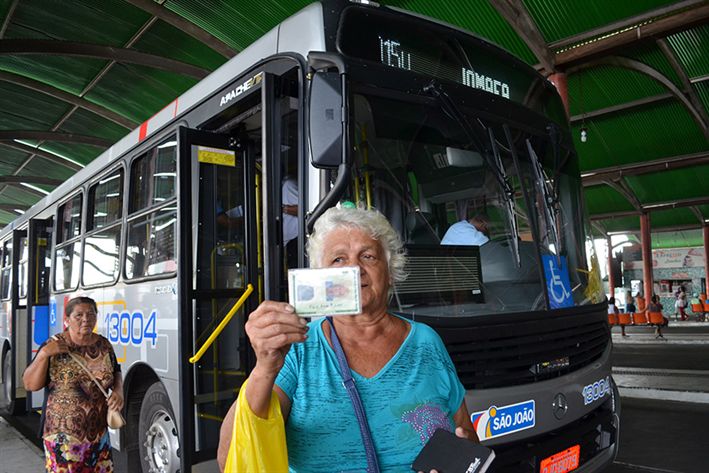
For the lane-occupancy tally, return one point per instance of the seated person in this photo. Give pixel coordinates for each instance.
(468, 232)
(656, 306)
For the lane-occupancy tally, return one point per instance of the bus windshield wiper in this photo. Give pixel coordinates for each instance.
(436, 89)
(551, 209)
(509, 194)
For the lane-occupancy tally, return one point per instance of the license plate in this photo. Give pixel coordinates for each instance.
(561, 462)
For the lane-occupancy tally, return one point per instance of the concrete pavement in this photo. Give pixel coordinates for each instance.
(18, 453)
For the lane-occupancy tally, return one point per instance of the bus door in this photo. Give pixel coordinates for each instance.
(38, 270)
(223, 233)
(14, 294)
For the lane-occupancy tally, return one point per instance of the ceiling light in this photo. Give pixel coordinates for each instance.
(584, 134)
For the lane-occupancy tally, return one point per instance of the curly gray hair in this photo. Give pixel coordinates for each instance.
(371, 222)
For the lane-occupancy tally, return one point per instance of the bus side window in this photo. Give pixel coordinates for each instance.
(151, 236)
(6, 270)
(67, 255)
(102, 244)
(22, 268)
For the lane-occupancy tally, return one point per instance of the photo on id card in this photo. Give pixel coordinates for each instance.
(324, 291)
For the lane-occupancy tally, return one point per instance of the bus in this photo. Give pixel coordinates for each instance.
(178, 231)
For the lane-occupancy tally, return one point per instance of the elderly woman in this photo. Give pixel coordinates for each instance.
(75, 431)
(405, 377)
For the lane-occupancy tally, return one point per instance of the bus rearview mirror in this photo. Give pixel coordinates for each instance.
(325, 120)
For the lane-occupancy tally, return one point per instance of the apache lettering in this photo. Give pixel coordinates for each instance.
(488, 84)
(232, 94)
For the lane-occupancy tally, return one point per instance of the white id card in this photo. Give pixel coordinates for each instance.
(325, 291)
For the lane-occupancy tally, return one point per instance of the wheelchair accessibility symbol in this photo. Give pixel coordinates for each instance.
(558, 285)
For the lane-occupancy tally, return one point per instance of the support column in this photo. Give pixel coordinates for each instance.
(560, 82)
(706, 259)
(646, 244)
(611, 273)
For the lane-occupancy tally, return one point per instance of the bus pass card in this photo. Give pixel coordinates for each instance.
(325, 291)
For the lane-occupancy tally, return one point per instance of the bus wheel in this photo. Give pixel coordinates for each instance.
(6, 404)
(159, 443)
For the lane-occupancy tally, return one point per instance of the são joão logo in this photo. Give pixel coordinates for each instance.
(504, 420)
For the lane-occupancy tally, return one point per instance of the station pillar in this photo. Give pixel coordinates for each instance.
(611, 273)
(706, 260)
(646, 244)
(561, 84)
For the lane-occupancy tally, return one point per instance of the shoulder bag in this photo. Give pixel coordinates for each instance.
(114, 418)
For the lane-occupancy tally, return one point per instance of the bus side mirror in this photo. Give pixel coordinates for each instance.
(325, 119)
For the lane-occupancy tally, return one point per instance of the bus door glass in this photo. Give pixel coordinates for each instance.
(38, 265)
(18, 311)
(224, 215)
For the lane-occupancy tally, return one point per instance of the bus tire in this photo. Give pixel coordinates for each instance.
(7, 403)
(158, 443)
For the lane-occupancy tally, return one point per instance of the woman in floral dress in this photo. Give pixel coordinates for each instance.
(75, 430)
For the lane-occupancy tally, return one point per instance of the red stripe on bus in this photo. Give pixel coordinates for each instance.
(143, 131)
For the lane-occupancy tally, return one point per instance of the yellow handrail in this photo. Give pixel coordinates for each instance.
(222, 324)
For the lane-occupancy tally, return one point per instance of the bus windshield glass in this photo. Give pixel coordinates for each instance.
(489, 224)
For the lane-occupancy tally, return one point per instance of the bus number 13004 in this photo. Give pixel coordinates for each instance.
(131, 328)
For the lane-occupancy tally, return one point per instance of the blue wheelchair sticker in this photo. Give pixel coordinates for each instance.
(556, 272)
(52, 312)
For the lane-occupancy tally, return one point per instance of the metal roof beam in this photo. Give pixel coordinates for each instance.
(621, 107)
(123, 55)
(12, 207)
(688, 88)
(662, 27)
(8, 17)
(665, 229)
(185, 26)
(697, 213)
(642, 68)
(42, 135)
(517, 15)
(44, 154)
(653, 207)
(66, 97)
(621, 187)
(599, 176)
(16, 180)
(621, 25)
(695, 80)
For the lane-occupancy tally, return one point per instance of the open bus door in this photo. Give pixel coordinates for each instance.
(223, 231)
(42, 323)
(14, 308)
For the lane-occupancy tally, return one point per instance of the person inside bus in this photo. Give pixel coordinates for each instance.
(289, 201)
(404, 375)
(75, 430)
(472, 231)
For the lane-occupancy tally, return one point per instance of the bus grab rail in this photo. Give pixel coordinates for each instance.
(197, 356)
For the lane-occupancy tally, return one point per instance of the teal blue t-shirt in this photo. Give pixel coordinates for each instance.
(415, 393)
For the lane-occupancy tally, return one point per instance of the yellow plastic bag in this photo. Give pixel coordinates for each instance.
(257, 445)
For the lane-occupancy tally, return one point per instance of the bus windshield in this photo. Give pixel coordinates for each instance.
(487, 223)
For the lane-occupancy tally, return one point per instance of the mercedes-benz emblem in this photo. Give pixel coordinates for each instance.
(559, 406)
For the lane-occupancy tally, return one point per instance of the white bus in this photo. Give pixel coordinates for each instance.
(431, 125)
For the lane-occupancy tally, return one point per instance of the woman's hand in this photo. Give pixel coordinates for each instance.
(115, 400)
(463, 433)
(55, 346)
(467, 434)
(272, 328)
